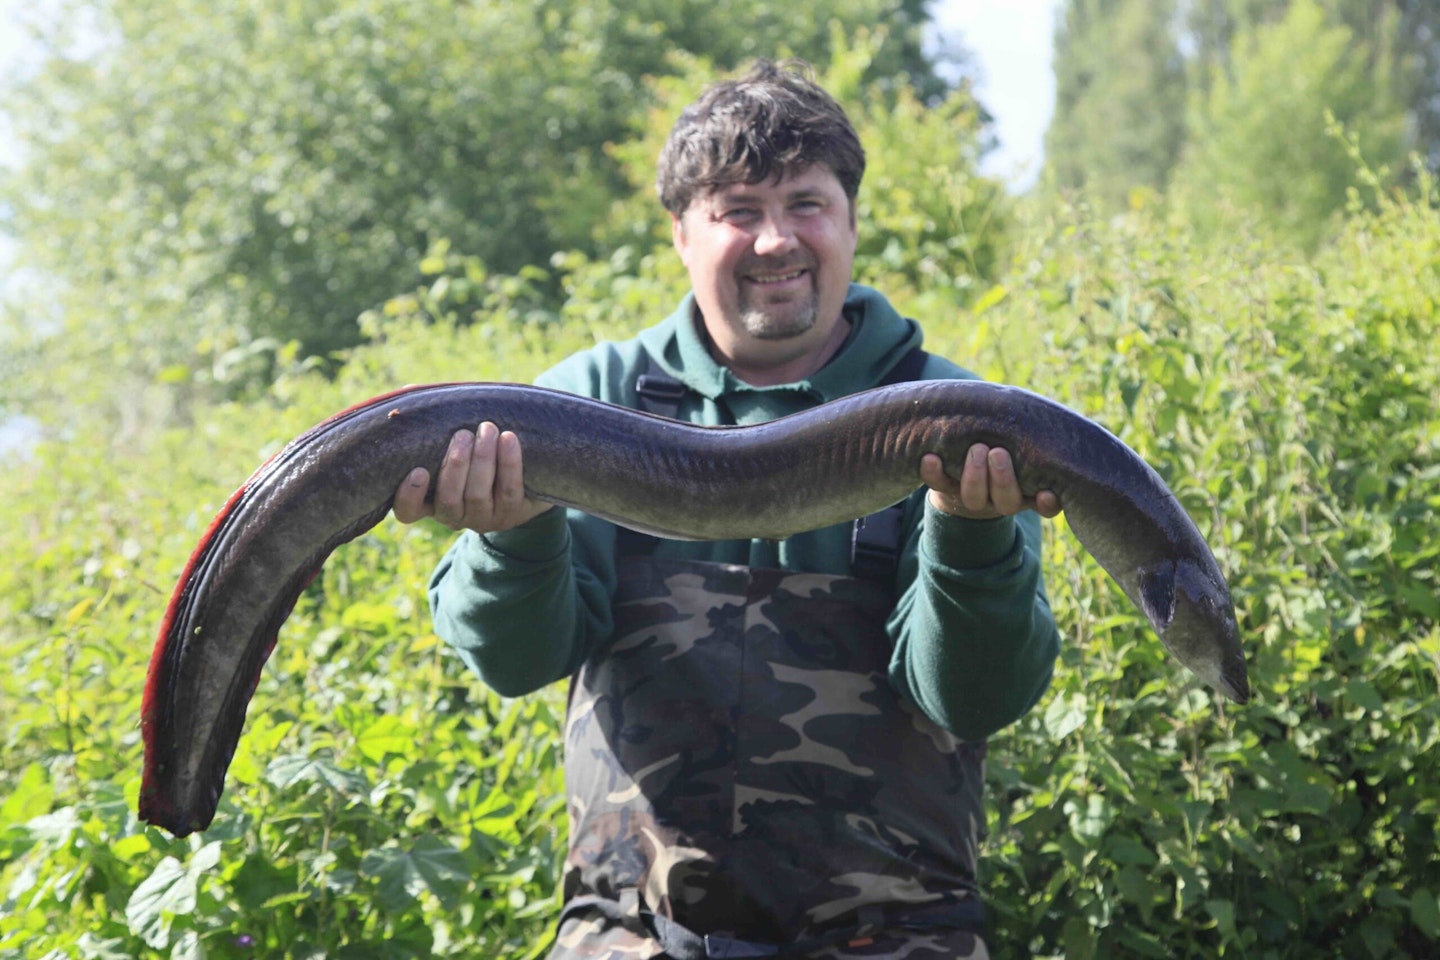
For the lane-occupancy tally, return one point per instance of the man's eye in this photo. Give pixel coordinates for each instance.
(737, 214)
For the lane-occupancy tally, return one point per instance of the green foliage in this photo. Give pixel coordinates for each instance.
(1227, 98)
(1286, 404)
(1261, 145)
(271, 169)
(1120, 99)
(382, 803)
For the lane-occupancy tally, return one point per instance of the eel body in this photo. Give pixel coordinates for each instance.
(826, 465)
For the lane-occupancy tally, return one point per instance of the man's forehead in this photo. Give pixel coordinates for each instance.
(815, 178)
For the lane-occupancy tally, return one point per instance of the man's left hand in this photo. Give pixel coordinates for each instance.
(986, 488)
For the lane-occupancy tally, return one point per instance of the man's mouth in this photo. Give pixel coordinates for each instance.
(774, 278)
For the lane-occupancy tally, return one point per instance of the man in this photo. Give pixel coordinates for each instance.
(770, 751)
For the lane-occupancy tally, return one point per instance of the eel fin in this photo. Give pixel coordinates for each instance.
(1157, 594)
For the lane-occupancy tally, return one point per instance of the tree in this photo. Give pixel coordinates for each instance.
(1403, 34)
(1260, 143)
(223, 172)
(1126, 69)
(1420, 56)
(1120, 96)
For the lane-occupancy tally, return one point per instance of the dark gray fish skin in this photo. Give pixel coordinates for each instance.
(827, 465)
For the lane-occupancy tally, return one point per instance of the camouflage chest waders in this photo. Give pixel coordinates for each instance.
(744, 782)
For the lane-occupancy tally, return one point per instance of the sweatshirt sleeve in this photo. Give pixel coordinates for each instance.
(975, 641)
(524, 607)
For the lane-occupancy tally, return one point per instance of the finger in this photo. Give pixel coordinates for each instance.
(1005, 493)
(480, 484)
(450, 487)
(410, 502)
(1047, 504)
(933, 475)
(510, 480)
(975, 479)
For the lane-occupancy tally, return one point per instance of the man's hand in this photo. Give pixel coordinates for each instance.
(986, 489)
(481, 485)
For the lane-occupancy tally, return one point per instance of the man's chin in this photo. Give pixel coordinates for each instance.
(763, 325)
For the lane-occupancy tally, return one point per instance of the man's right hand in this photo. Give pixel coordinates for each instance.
(481, 485)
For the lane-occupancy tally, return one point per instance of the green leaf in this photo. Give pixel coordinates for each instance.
(287, 771)
(1425, 913)
(188, 947)
(1224, 913)
(1364, 695)
(1065, 715)
(1138, 887)
(386, 735)
(30, 796)
(258, 880)
(989, 299)
(168, 892)
(430, 864)
(1079, 939)
(1129, 851)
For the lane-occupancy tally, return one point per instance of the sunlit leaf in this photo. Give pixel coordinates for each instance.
(385, 735)
(169, 891)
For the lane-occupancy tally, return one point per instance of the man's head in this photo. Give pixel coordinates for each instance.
(760, 176)
(771, 122)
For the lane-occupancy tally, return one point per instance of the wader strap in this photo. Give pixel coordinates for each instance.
(658, 392)
(874, 540)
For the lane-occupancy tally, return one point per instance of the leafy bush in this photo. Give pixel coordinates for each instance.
(383, 804)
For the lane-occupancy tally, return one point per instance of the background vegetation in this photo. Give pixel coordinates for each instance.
(236, 221)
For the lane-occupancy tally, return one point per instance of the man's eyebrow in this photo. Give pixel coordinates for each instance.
(741, 195)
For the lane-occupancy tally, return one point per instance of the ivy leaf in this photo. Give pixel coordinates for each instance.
(431, 864)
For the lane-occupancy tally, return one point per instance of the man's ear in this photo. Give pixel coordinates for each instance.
(677, 235)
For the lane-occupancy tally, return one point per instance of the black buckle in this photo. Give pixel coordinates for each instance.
(875, 543)
(660, 387)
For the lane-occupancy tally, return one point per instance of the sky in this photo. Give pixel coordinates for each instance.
(1011, 42)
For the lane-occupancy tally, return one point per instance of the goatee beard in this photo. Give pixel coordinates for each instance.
(764, 325)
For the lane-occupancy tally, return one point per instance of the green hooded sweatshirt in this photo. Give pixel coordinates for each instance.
(975, 642)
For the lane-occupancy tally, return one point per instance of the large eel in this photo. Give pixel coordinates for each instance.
(827, 465)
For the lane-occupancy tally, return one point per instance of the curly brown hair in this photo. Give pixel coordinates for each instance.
(772, 122)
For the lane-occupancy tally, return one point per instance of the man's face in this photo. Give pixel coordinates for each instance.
(770, 262)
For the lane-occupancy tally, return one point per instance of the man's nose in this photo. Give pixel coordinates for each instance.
(776, 236)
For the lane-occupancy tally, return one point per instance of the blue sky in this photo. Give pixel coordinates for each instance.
(1012, 42)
